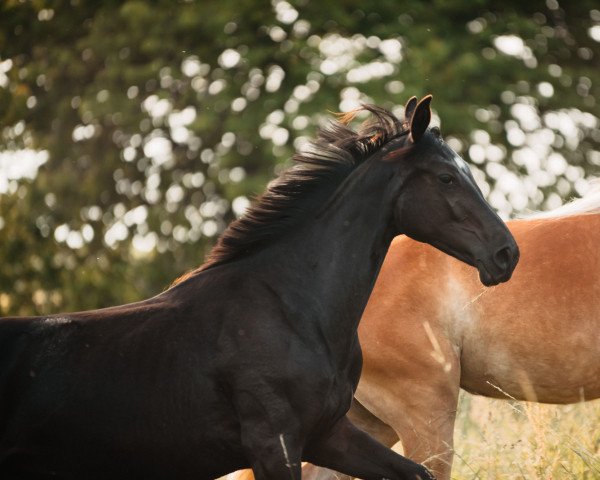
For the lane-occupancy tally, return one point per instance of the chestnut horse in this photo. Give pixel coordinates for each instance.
(252, 359)
(536, 338)
(426, 336)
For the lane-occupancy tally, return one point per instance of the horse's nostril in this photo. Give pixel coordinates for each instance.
(502, 257)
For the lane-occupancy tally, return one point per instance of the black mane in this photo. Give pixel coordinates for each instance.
(337, 151)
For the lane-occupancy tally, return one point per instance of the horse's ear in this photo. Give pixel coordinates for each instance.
(420, 119)
(409, 109)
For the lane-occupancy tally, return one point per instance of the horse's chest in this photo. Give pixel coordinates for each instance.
(337, 399)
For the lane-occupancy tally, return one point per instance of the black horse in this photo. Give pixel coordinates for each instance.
(252, 359)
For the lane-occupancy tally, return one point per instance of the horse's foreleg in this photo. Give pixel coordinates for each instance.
(429, 440)
(420, 405)
(349, 450)
(268, 437)
(273, 458)
(365, 421)
(368, 423)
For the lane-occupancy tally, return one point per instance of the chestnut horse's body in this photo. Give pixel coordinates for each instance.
(535, 338)
(425, 336)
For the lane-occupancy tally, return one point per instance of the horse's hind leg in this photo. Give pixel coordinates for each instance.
(349, 450)
(362, 418)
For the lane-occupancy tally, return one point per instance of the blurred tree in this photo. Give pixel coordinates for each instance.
(158, 120)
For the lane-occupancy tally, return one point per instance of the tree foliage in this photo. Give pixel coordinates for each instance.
(160, 119)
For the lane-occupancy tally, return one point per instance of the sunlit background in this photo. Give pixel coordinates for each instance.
(132, 132)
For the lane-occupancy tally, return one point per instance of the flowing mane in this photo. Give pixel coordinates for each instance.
(331, 157)
(588, 204)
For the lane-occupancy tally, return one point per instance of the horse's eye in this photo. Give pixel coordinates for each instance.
(446, 179)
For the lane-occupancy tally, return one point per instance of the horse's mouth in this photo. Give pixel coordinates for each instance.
(485, 277)
(489, 279)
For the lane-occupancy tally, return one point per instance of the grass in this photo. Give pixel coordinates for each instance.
(500, 439)
(510, 440)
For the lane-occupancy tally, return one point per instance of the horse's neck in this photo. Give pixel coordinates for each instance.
(330, 264)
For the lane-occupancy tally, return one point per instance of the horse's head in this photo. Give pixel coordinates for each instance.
(439, 202)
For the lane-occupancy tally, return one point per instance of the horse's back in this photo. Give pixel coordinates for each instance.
(14, 334)
(95, 374)
(13, 329)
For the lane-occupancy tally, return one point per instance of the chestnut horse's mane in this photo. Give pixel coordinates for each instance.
(589, 203)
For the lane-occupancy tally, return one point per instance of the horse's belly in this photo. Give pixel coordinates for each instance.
(108, 430)
(146, 459)
(564, 369)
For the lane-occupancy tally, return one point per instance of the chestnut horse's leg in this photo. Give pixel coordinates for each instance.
(347, 449)
(369, 423)
(433, 444)
(313, 472)
(418, 399)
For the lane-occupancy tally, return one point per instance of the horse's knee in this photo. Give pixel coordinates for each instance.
(274, 458)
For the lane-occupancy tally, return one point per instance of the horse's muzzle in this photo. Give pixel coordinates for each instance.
(500, 267)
